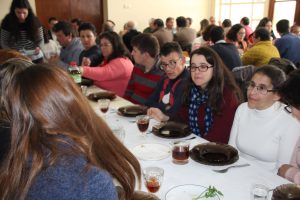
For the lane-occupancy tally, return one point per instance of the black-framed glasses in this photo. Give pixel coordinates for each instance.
(201, 67)
(262, 89)
(171, 64)
(288, 108)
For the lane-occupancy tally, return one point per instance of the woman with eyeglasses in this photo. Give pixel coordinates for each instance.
(262, 131)
(210, 98)
(290, 93)
(115, 70)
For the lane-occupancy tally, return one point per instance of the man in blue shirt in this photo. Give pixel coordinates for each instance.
(289, 44)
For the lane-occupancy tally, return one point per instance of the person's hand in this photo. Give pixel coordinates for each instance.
(157, 114)
(54, 59)
(37, 50)
(282, 170)
(86, 61)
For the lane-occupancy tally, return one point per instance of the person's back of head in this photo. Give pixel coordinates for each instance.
(181, 22)
(283, 26)
(262, 34)
(245, 21)
(170, 47)
(226, 23)
(130, 25)
(41, 99)
(159, 23)
(146, 42)
(63, 26)
(290, 90)
(216, 34)
(284, 64)
(207, 32)
(6, 54)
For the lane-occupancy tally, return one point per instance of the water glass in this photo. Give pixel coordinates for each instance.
(153, 177)
(84, 89)
(259, 192)
(118, 131)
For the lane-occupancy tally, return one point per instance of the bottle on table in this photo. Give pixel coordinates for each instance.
(75, 72)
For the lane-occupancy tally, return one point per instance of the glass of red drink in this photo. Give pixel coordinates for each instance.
(153, 177)
(103, 105)
(142, 122)
(180, 152)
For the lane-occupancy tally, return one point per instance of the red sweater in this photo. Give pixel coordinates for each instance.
(141, 85)
(222, 122)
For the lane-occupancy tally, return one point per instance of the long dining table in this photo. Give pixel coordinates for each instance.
(235, 184)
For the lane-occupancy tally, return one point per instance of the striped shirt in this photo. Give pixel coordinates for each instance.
(8, 41)
(141, 85)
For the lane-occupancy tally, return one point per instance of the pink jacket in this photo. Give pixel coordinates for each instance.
(112, 76)
(293, 173)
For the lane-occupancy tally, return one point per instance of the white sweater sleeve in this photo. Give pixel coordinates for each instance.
(234, 128)
(286, 146)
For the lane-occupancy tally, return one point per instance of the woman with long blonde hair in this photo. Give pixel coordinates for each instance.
(60, 149)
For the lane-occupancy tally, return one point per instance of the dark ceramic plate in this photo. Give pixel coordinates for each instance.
(132, 111)
(286, 192)
(87, 82)
(101, 95)
(216, 154)
(171, 130)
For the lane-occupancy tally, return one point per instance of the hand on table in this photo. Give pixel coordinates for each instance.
(86, 61)
(157, 114)
(282, 170)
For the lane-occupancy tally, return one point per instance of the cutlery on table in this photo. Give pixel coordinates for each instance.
(227, 168)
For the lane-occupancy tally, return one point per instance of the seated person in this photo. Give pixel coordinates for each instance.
(290, 93)
(168, 92)
(91, 55)
(236, 35)
(209, 100)
(146, 72)
(262, 51)
(55, 154)
(262, 131)
(71, 46)
(227, 51)
(115, 70)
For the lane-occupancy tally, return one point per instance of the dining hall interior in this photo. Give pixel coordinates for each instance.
(149, 100)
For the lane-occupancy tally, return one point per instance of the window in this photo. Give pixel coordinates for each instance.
(277, 11)
(236, 9)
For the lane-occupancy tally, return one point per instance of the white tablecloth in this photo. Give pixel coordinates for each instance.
(235, 184)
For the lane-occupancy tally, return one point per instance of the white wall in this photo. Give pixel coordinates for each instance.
(5, 6)
(140, 11)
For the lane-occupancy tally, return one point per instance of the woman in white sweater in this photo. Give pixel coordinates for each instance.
(262, 131)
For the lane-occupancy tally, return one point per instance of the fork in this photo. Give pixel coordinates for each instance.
(227, 168)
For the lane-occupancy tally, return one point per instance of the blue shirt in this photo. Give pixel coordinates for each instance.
(71, 178)
(289, 47)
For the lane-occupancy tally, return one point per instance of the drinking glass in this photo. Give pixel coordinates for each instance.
(180, 152)
(118, 131)
(84, 89)
(259, 192)
(103, 106)
(142, 122)
(153, 177)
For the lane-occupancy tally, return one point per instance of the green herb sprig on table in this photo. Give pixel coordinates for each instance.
(211, 191)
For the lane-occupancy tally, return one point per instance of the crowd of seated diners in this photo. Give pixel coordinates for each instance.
(178, 73)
